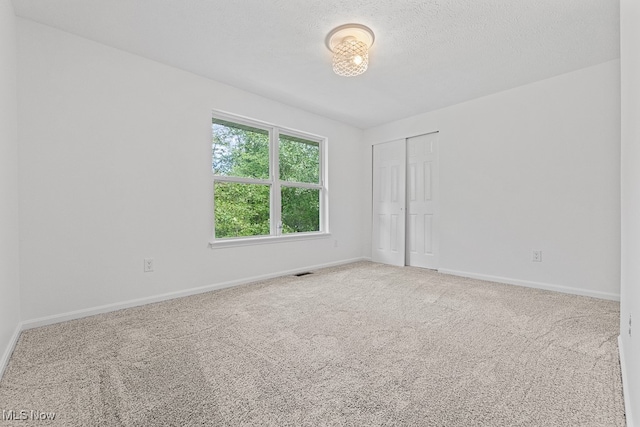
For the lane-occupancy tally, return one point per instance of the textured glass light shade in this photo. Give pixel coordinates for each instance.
(350, 45)
(350, 57)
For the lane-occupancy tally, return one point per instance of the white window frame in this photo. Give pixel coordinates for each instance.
(275, 184)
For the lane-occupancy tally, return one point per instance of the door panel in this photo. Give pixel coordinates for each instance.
(389, 202)
(423, 205)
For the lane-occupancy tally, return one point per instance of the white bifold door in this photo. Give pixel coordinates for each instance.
(389, 169)
(405, 202)
(422, 201)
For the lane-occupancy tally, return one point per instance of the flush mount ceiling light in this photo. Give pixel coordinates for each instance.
(350, 45)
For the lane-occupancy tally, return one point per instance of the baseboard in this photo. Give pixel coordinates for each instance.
(625, 384)
(63, 317)
(9, 350)
(536, 285)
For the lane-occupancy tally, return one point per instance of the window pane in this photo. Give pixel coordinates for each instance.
(300, 210)
(299, 160)
(241, 209)
(239, 150)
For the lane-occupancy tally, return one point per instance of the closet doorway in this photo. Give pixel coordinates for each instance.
(406, 202)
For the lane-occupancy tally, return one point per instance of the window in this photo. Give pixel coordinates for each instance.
(267, 181)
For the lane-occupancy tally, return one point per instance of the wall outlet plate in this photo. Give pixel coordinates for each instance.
(148, 265)
(536, 256)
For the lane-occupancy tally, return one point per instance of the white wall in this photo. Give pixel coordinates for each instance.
(630, 281)
(116, 166)
(535, 167)
(9, 284)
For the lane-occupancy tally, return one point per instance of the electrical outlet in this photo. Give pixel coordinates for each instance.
(536, 256)
(335, 243)
(629, 325)
(148, 265)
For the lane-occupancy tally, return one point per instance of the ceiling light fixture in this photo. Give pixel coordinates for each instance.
(350, 45)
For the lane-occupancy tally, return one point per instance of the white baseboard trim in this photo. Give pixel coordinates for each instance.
(63, 317)
(9, 350)
(625, 384)
(537, 285)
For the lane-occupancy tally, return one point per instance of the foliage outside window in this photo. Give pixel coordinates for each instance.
(267, 181)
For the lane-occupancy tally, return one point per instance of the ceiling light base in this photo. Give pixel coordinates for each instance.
(357, 31)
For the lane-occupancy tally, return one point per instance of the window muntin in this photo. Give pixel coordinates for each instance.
(268, 181)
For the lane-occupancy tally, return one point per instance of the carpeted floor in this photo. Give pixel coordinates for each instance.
(359, 345)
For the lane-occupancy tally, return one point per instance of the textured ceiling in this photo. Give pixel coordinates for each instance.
(428, 54)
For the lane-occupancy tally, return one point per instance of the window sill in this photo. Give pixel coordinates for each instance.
(251, 241)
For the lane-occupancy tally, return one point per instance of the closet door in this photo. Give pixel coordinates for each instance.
(422, 201)
(389, 175)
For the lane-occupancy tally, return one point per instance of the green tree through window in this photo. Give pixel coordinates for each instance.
(247, 179)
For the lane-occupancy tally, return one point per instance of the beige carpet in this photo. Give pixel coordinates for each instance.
(359, 345)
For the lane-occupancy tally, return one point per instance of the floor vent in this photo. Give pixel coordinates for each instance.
(306, 273)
